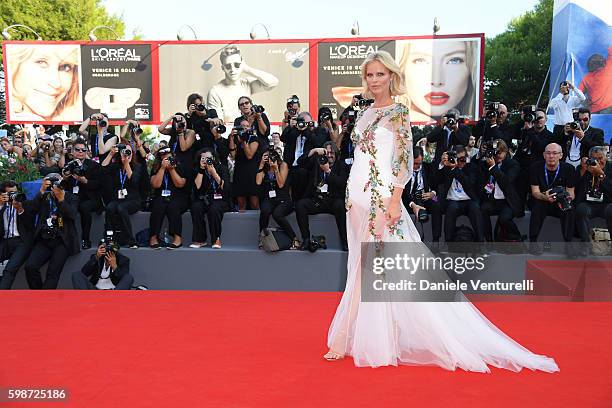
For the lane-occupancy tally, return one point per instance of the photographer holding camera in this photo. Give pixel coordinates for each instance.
(563, 104)
(17, 229)
(494, 124)
(499, 174)
(55, 236)
(83, 178)
(293, 109)
(448, 134)
(419, 194)
(552, 187)
(10, 150)
(298, 142)
(460, 190)
(107, 269)
(102, 141)
(272, 176)
(220, 144)
(579, 137)
(201, 120)
(258, 120)
(344, 142)
(211, 197)
(325, 192)
(245, 148)
(123, 175)
(170, 198)
(593, 192)
(327, 129)
(182, 139)
(134, 131)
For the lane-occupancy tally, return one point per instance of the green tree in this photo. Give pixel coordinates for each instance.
(516, 61)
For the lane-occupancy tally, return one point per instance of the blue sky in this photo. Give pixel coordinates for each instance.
(160, 20)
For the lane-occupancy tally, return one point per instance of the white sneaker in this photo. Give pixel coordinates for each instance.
(217, 244)
(196, 245)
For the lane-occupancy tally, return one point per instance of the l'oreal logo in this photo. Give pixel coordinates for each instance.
(114, 54)
(351, 51)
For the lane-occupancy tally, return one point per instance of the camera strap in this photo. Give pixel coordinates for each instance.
(213, 183)
(11, 214)
(122, 178)
(548, 185)
(52, 206)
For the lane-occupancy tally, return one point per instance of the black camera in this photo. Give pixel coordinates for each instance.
(322, 159)
(301, 124)
(103, 123)
(135, 129)
(591, 162)
(325, 116)
(451, 120)
(422, 215)
(245, 134)
(492, 110)
(317, 242)
(364, 103)
(209, 161)
(220, 129)
(562, 198)
(273, 155)
(528, 113)
(55, 182)
(172, 160)
(257, 109)
(452, 156)
(16, 196)
(123, 150)
(200, 107)
(75, 167)
(490, 149)
(179, 124)
(292, 112)
(574, 125)
(110, 245)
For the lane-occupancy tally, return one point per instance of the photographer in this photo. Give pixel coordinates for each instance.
(181, 139)
(494, 125)
(552, 187)
(107, 269)
(593, 192)
(326, 131)
(497, 188)
(17, 228)
(344, 142)
(55, 236)
(244, 147)
(122, 174)
(298, 142)
(325, 192)
(211, 197)
(293, 109)
(220, 144)
(419, 194)
(448, 134)
(563, 103)
(82, 177)
(201, 120)
(10, 150)
(272, 176)
(170, 198)
(579, 137)
(460, 180)
(258, 121)
(134, 131)
(102, 140)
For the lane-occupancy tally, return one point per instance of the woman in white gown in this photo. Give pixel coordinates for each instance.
(448, 334)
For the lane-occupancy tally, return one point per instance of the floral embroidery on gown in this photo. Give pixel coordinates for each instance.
(447, 334)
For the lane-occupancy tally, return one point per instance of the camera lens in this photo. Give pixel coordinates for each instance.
(221, 129)
(200, 107)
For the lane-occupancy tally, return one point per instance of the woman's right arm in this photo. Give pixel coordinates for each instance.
(163, 127)
(158, 178)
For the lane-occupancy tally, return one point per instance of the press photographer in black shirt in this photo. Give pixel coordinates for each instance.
(552, 187)
(325, 192)
(593, 192)
(255, 115)
(82, 177)
(420, 194)
(102, 139)
(447, 134)
(245, 147)
(107, 269)
(327, 129)
(272, 177)
(494, 124)
(123, 174)
(220, 144)
(55, 236)
(170, 197)
(297, 138)
(293, 109)
(211, 197)
(201, 120)
(498, 177)
(17, 228)
(182, 139)
(579, 136)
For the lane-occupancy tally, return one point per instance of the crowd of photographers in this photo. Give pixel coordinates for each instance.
(494, 168)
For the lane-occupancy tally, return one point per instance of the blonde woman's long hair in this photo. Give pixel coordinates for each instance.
(398, 82)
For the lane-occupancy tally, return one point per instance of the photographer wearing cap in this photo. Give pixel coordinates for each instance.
(448, 134)
(460, 183)
(298, 142)
(563, 103)
(211, 196)
(420, 196)
(498, 175)
(17, 228)
(182, 139)
(201, 120)
(325, 192)
(102, 141)
(170, 197)
(552, 187)
(292, 112)
(55, 236)
(272, 177)
(245, 148)
(122, 174)
(83, 178)
(593, 192)
(579, 137)
(107, 269)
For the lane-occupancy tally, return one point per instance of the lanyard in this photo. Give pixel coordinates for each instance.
(324, 178)
(122, 177)
(175, 144)
(10, 221)
(166, 181)
(546, 176)
(52, 206)
(448, 138)
(350, 147)
(212, 181)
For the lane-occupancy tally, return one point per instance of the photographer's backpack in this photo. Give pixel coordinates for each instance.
(275, 239)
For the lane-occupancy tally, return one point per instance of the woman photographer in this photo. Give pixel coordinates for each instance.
(272, 176)
(244, 146)
(326, 130)
(170, 197)
(211, 196)
(123, 175)
(50, 156)
(131, 134)
(181, 139)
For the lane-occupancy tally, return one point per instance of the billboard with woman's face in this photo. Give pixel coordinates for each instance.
(44, 82)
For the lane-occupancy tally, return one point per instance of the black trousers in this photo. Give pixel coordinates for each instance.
(16, 251)
(52, 250)
(434, 209)
(504, 219)
(587, 210)
(540, 210)
(214, 212)
(82, 282)
(173, 209)
(123, 209)
(308, 206)
(523, 189)
(298, 180)
(464, 207)
(278, 209)
(86, 207)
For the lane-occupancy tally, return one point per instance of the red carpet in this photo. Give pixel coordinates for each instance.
(248, 349)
